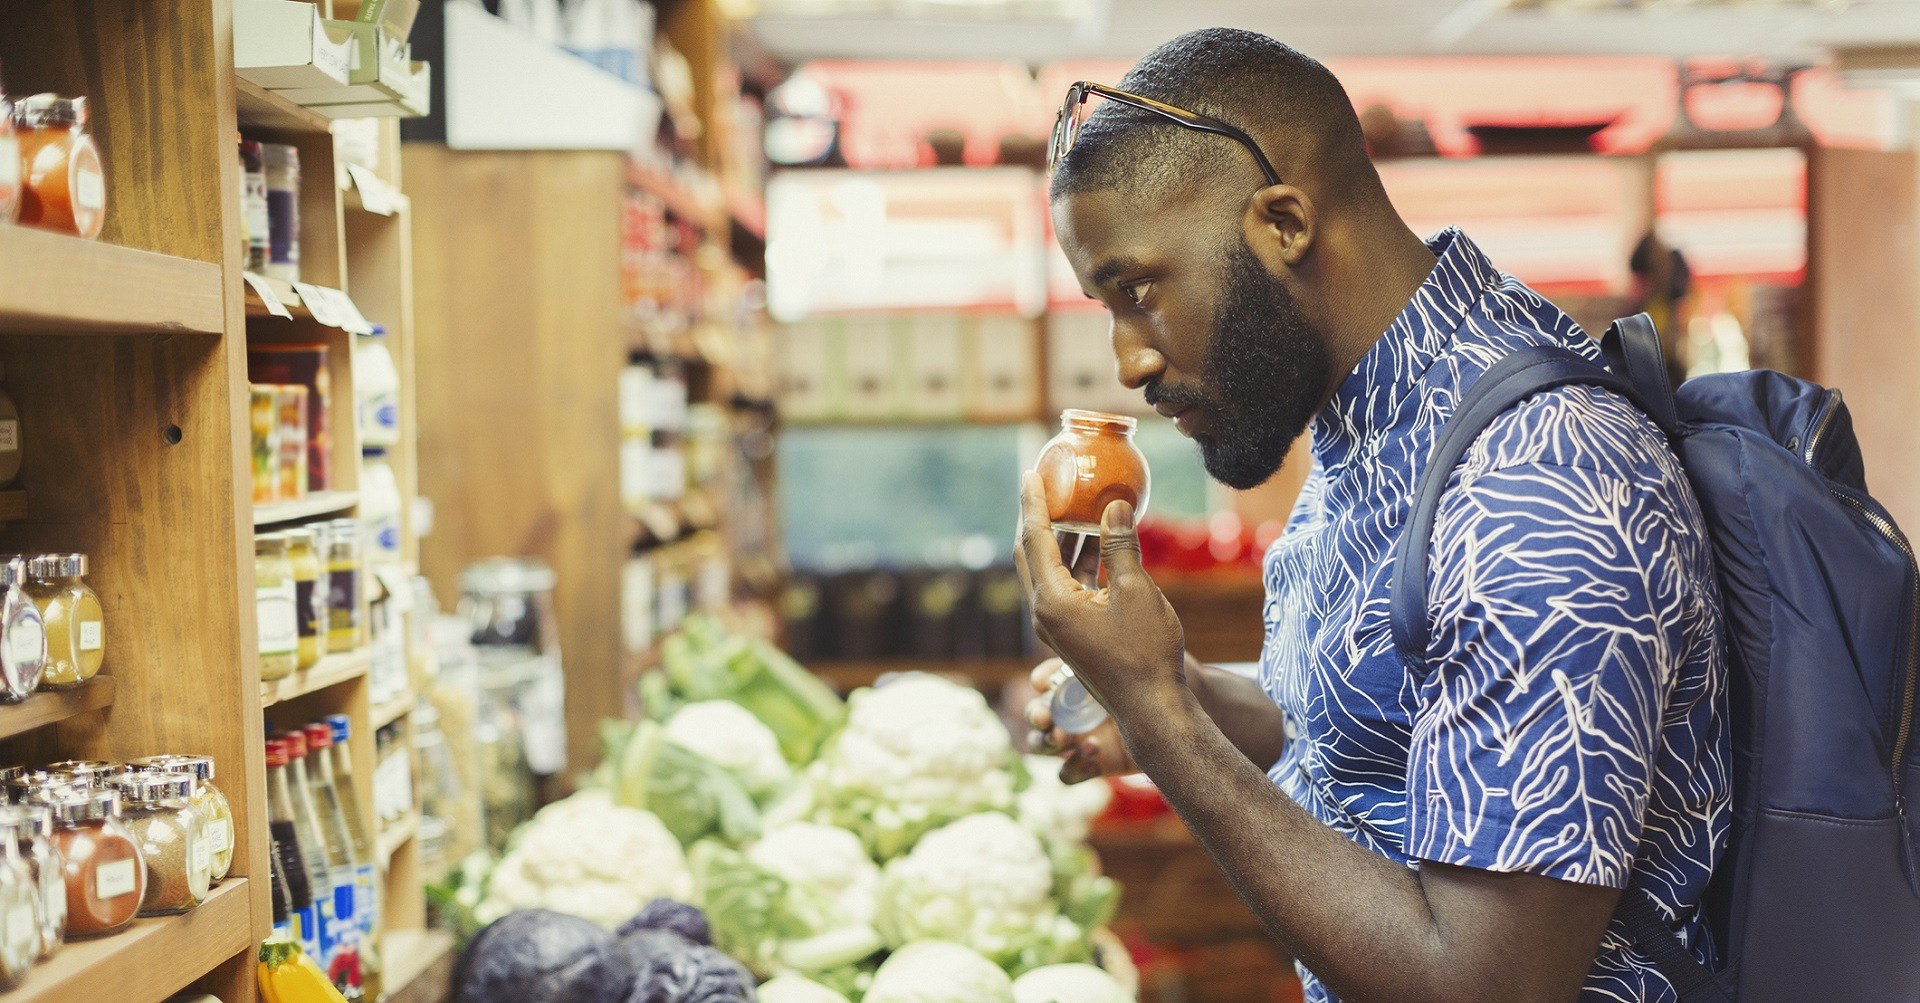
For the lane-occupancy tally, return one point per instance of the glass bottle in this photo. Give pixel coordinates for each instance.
(277, 605)
(106, 877)
(65, 189)
(313, 844)
(345, 867)
(323, 584)
(282, 169)
(277, 892)
(346, 630)
(19, 901)
(307, 573)
(339, 760)
(23, 636)
(163, 821)
(36, 844)
(70, 612)
(216, 814)
(283, 826)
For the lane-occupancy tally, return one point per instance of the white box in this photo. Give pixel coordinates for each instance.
(869, 366)
(805, 394)
(281, 44)
(1003, 384)
(380, 75)
(936, 366)
(506, 90)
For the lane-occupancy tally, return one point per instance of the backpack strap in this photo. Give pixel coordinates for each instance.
(1691, 979)
(1632, 349)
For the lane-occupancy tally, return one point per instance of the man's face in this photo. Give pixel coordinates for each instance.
(1200, 325)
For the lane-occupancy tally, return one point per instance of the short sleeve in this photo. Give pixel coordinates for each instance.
(1559, 604)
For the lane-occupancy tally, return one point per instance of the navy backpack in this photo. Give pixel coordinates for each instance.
(1818, 895)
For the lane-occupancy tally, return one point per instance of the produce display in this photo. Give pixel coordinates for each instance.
(755, 828)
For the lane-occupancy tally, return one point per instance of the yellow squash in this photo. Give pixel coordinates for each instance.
(287, 975)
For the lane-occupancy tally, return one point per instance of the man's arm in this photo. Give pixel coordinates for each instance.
(1241, 710)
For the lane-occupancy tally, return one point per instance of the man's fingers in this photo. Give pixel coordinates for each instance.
(1041, 742)
(1042, 676)
(1082, 764)
(1040, 713)
(1036, 545)
(1119, 544)
(1082, 555)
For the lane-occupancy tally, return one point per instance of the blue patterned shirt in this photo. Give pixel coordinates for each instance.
(1571, 718)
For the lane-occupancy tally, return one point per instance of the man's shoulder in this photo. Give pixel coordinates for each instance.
(1576, 428)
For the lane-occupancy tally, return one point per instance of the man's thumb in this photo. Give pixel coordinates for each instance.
(1119, 544)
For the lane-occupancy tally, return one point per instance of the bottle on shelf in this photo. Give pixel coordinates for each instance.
(23, 634)
(353, 902)
(346, 629)
(276, 599)
(380, 509)
(306, 875)
(366, 862)
(65, 189)
(105, 875)
(19, 900)
(335, 953)
(36, 844)
(376, 387)
(308, 572)
(172, 839)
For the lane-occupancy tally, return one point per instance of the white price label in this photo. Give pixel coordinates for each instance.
(89, 190)
(202, 855)
(91, 635)
(350, 316)
(27, 643)
(264, 289)
(279, 626)
(219, 835)
(9, 435)
(116, 878)
(318, 302)
(376, 195)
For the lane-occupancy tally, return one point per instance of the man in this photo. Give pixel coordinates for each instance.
(1458, 831)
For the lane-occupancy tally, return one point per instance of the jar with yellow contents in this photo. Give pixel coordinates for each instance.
(71, 616)
(310, 584)
(274, 607)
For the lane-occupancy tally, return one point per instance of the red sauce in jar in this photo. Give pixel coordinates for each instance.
(65, 189)
(1091, 464)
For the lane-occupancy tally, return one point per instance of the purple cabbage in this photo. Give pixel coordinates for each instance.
(539, 956)
(667, 914)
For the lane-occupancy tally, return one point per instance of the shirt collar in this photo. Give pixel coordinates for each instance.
(1370, 397)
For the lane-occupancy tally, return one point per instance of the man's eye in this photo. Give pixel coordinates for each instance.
(1136, 292)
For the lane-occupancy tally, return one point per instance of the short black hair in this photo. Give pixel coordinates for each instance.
(1285, 99)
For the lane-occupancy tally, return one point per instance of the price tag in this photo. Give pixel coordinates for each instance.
(399, 588)
(318, 303)
(350, 316)
(376, 195)
(264, 289)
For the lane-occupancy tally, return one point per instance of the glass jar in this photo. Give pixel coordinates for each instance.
(36, 844)
(216, 814)
(87, 772)
(277, 607)
(64, 188)
(23, 635)
(9, 162)
(19, 901)
(347, 628)
(165, 824)
(70, 612)
(105, 875)
(1088, 466)
(39, 785)
(307, 572)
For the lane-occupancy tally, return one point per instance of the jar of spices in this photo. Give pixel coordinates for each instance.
(1092, 463)
(65, 188)
(307, 573)
(216, 815)
(23, 636)
(9, 162)
(87, 772)
(39, 785)
(167, 828)
(105, 874)
(274, 598)
(19, 901)
(70, 612)
(36, 844)
(347, 630)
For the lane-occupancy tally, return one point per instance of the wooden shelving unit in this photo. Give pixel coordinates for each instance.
(259, 108)
(312, 506)
(56, 284)
(156, 956)
(53, 706)
(328, 672)
(397, 835)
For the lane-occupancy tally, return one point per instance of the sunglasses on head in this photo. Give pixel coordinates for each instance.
(1073, 115)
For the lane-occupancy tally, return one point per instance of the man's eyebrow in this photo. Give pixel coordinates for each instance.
(1110, 268)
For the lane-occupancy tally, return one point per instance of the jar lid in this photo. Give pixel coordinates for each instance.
(344, 529)
(39, 817)
(9, 774)
(77, 807)
(41, 784)
(342, 726)
(298, 536)
(151, 788)
(1083, 418)
(267, 543)
(200, 766)
(295, 742)
(506, 576)
(319, 735)
(13, 570)
(58, 565)
(89, 770)
(50, 111)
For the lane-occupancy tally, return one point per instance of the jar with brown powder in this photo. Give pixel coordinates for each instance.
(167, 829)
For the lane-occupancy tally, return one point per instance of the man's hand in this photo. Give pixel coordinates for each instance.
(1098, 753)
(1123, 641)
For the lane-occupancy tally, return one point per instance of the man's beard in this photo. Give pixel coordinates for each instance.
(1265, 373)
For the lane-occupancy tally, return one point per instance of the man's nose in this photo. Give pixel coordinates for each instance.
(1136, 362)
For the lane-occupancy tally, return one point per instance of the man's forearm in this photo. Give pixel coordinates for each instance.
(1243, 712)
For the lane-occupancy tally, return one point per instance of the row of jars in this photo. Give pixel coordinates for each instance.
(53, 634)
(87, 845)
(307, 594)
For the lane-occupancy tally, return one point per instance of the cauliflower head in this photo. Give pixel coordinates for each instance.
(588, 857)
(1071, 983)
(984, 881)
(729, 735)
(831, 882)
(1057, 811)
(935, 971)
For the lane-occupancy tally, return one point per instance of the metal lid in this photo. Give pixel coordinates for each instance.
(265, 543)
(13, 570)
(50, 111)
(38, 783)
(80, 807)
(89, 770)
(319, 735)
(344, 529)
(295, 742)
(10, 773)
(201, 767)
(342, 726)
(58, 566)
(298, 536)
(506, 576)
(153, 788)
(276, 753)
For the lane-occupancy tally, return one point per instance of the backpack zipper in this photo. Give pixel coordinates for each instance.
(1821, 419)
(1905, 729)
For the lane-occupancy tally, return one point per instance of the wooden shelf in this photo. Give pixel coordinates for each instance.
(391, 711)
(318, 503)
(284, 292)
(994, 671)
(329, 671)
(49, 706)
(261, 108)
(155, 957)
(13, 504)
(397, 835)
(419, 965)
(56, 284)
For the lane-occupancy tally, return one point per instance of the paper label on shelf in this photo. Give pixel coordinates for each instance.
(375, 194)
(264, 289)
(350, 316)
(9, 435)
(279, 624)
(318, 303)
(89, 190)
(220, 835)
(26, 642)
(90, 635)
(115, 878)
(399, 589)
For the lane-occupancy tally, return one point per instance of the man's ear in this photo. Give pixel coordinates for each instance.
(1279, 226)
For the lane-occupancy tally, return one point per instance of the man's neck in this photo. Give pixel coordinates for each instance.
(1389, 263)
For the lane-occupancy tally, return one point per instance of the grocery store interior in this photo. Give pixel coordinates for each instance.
(474, 458)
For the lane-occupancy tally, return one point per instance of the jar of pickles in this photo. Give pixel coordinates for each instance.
(276, 606)
(308, 572)
(347, 630)
(164, 823)
(19, 901)
(216, 815)
(65, 188)
(105, 875)
(23, 636)
(70, 612)
(36, 844)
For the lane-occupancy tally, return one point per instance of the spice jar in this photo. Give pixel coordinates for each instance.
(36, 844)
(65, 189)
(86, 772)
(19, 901)
(23, 636)
(216, 815)
(160, 818)
(9, 162)
(39, 785)
(346, 630)
(1088, 466)
(307, 572)
(274, 599)
(105, 874)
(70, 612)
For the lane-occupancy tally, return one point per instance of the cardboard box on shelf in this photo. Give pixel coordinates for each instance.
(382, 78)
(936, 362)
(869, 366)
(1003, 384)
(805, 394)
(282, 44)
(1080, 369)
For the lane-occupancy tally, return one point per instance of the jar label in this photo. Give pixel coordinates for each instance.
(90, 635)
(9, 168)
(344, 597)
(22, 926)
(9, 432)
(279, 625)
(202, 861)
(305, 607)
(219, 835)
(26, 643)
(115, 878)
(89, 190)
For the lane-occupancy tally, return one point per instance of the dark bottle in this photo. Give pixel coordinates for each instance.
(292, 864)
